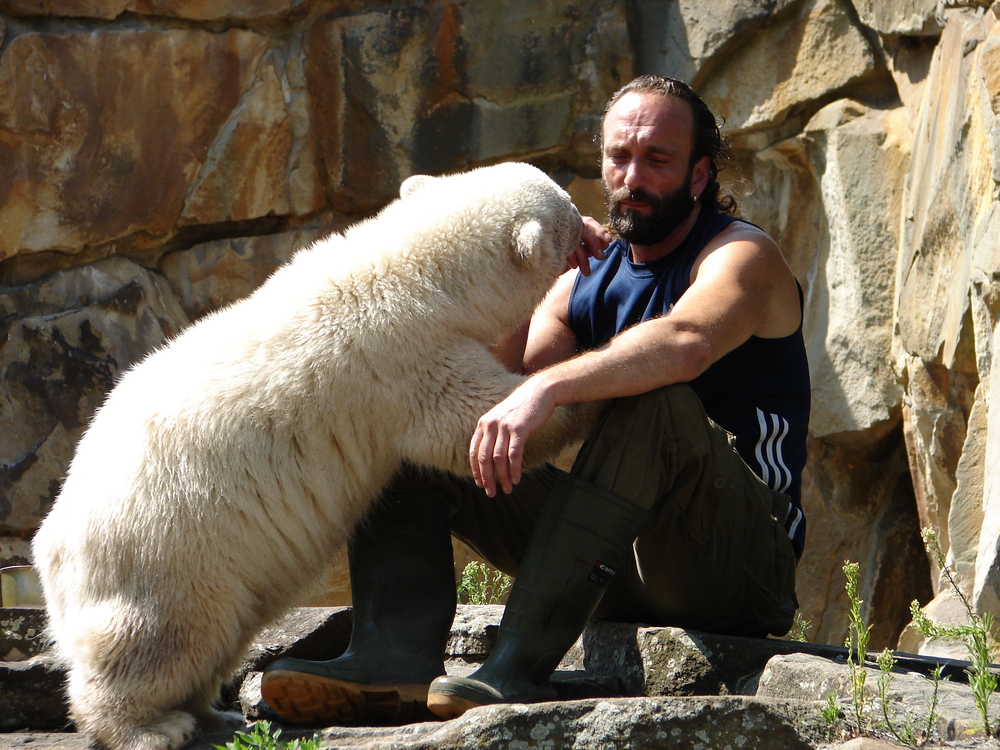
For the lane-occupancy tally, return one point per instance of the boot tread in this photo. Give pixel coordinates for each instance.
(302, 698)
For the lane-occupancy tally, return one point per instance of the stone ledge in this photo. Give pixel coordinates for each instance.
(31, 695)
(671, 661)
(636, 723)
(22, 632)
(620, 683)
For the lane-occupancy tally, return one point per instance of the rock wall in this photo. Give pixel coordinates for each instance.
(158, 158)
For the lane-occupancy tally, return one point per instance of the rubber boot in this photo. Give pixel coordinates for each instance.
(403, 584)
(580, 540)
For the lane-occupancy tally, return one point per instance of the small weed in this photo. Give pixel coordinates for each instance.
(978, 636)
(481, 584)
(857, 647)
(886, 661)
(261, 737)
(857, 655)
(932, 704)
(831, 713)
(800, 629)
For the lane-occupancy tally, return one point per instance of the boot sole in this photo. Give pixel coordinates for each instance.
(302, 698)
(445, 706)
(449, 697)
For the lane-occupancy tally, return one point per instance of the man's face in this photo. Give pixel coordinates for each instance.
(666, 212)
(646, 166)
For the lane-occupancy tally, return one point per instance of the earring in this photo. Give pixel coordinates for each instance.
(694, 198)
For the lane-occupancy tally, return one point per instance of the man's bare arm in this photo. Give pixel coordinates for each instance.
(546, 337)
(550, 339)
(510, 349)
(741, 287)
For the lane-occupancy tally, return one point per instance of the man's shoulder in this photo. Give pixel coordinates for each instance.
(742, 235)
(738, 225)
(744, 256)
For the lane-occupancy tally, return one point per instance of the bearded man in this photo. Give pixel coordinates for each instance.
(682, 508)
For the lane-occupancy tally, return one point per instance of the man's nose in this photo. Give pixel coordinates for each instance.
(635, 175)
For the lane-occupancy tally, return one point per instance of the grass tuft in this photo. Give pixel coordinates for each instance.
(481, 584)
(262, 737)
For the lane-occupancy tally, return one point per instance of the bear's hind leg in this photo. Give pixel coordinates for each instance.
(137, 685)
(115, 718)
(169, 731)
(172, 731)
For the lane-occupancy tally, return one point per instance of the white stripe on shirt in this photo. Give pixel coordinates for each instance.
(774, 470)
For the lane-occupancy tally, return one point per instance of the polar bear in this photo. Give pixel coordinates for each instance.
(223, 471)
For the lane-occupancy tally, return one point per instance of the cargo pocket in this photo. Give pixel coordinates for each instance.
(773, 584)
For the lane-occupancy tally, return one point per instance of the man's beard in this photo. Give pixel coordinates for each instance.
(668, 212)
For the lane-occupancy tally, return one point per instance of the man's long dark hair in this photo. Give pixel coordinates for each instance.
(707, 139)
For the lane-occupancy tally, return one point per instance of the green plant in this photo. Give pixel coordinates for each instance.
(979, 636)
(857, 655)
(831, 713)
(800, 629)
(886, 662)
(480, 584)
(261, 737)
(857, 646)
(932, 714)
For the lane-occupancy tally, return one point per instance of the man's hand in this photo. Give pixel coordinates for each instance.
(496, 451)
(497, 448)
(596, 237)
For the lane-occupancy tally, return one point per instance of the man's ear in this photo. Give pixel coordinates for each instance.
(700, 175)
(528, 241)
(413, 184)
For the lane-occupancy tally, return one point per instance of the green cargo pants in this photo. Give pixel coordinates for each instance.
(712, 556)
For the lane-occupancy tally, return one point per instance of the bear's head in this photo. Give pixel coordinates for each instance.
(543, 224)
(495, 238)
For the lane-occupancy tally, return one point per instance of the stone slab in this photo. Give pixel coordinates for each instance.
(909, 695)
(21, 632)
(31, 695)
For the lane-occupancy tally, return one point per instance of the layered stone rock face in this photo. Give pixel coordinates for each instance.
(158, 158)
(869, 133)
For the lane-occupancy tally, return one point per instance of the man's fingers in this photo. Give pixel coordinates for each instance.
(477, 475)
(481, 455)
(595, 237)
(491, 456)
(496, 458)
(486, 474)
(578, 259)
(496, 450)
(515, 458)
(501, 465)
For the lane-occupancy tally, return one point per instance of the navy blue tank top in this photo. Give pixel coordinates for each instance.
(759, 392)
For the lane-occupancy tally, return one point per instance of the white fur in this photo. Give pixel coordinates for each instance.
(222, 472)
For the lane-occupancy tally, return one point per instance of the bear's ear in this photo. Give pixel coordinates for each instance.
(528, 242)
(413, 184)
